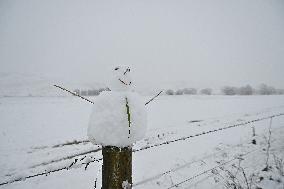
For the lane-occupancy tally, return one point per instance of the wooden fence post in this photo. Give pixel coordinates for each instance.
(117, 167)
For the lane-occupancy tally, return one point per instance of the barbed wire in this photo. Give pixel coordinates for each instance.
(46, 173)
(66, 157)
(209, 132)
(74, 142)
(77, 142)
(147, 147)
(144, 148)
(186, 164)
(208, 170)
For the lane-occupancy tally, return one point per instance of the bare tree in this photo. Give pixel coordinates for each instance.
(246, 90)
(266, 90)
(77, 91)
(189, 91)
(206, 91)
(228, 90)
(170, 92)
(280, 91)
(179, 92)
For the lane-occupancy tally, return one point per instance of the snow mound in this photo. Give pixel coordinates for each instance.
(118, 119)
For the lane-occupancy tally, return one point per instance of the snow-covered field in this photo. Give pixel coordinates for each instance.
(41, 134)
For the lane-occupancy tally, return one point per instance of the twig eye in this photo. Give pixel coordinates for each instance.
(127, 70)
(116, 68)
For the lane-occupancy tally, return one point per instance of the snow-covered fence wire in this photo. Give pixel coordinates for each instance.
(46, 173)
(186, 164)
(209, 170)
(79, 162)
(209, 132)
(160, 144)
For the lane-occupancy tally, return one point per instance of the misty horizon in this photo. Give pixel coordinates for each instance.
(192, 43)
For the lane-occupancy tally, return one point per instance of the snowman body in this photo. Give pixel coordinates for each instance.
(119, 116)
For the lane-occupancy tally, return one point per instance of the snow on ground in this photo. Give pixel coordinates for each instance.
(45, 133)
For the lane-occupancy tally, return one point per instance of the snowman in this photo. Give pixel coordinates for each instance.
(119, 116)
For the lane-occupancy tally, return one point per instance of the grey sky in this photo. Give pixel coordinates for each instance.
(204, 43)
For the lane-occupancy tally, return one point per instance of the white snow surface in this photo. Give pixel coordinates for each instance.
(39, 134)
(109, 124)
(126, 184)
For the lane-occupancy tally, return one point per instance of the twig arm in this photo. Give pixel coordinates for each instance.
(153, 98)
(62, 88)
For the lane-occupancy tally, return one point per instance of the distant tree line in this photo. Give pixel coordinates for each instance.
(263, 89)
(90, 92)
(189, 91)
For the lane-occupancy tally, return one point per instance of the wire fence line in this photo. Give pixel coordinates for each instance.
(66, 157)
(209, 170)
(224, 163)
(187, 164)
(208, 132)
(163, 143)
(136, 150)
(46, 173)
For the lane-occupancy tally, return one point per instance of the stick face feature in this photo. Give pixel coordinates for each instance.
(121, 79)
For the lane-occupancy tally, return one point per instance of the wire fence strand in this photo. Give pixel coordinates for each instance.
(187, 164)
(208, 132)
(144, 148)
(208, 170)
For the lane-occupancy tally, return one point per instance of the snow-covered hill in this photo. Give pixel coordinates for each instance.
(19, 84)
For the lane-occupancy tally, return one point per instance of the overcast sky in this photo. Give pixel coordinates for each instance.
(203, 42)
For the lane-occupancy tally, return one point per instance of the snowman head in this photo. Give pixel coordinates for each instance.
(121, 80)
